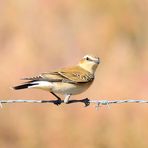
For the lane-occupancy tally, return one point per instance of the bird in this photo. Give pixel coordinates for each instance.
(66, 81)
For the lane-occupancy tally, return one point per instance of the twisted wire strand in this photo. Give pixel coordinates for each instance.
(86, 101)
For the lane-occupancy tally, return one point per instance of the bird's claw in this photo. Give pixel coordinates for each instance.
(86, 102)
(57, 102)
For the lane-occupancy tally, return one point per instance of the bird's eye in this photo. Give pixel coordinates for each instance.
(87, 58)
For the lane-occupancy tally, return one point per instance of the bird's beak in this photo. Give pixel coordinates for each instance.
(97, 61)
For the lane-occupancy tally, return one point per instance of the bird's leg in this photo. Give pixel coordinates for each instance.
(66, 100)
(58, 101)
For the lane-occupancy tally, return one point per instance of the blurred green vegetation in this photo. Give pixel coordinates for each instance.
(38, 36)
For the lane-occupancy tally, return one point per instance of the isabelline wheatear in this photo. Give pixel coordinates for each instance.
(66, 81)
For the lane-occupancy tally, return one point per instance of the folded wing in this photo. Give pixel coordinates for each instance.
(70, 75)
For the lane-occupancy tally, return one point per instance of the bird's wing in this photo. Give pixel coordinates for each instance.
(52, 77)
(76, 75)
(69, 75)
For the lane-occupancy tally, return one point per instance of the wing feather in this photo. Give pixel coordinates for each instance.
(69, 75)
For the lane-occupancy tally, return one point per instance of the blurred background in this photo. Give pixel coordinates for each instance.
(38, 36)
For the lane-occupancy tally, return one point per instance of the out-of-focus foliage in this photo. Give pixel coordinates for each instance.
(38, 36)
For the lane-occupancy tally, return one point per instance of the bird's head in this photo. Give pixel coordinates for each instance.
(89, 63)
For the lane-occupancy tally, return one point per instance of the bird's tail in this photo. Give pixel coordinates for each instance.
(23, 86)
(33, 84)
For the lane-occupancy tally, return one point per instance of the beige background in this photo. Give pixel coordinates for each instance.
(40, 35)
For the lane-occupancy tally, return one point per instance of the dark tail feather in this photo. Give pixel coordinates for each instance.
(23, 86)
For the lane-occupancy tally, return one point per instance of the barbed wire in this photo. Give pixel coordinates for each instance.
(86, 101)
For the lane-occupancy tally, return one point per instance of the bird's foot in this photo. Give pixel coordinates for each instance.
(86, 102)
(58, 102)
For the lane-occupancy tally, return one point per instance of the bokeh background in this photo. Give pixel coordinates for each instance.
(40, 35)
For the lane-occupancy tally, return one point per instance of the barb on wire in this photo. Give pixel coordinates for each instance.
(86, 101)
